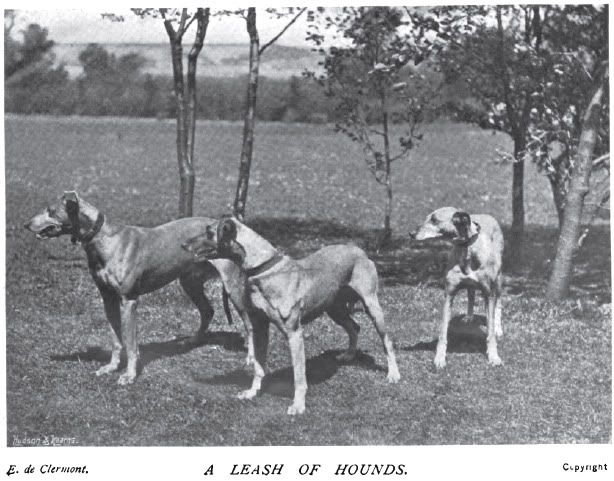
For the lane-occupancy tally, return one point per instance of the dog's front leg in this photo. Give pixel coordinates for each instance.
(112, 310)
(260, 340)
(470, 303)
(249, 335)
(442, 343)
(128, 312)
(491, 339)
(297, 353)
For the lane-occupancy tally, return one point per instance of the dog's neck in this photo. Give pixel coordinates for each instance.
(91, 223)
(258, 251)
(463, 253)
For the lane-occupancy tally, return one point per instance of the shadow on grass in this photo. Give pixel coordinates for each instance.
(231, 341)
(402, 262)
(281, 382)
(463, 337)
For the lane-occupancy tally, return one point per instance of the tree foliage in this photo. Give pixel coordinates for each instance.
(371, 72)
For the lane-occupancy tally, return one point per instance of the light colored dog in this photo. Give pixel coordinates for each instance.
(475, 263)
(127, 262)
(291, 292)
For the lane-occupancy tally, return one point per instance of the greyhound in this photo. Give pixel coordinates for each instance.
(291, 292)
(127, 262)
(475, 263)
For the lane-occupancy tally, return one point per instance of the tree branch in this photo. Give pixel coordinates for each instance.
(276, 37)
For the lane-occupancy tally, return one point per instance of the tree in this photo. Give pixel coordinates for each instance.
(496, 52)
(176, 23)
(575, 39)
(30, 55)
(109, 85)
(255, 53)
(560, 279)
(381, 99)
(32, 83)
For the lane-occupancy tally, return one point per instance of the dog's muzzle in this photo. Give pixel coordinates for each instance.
(200, 248)
(46, 232)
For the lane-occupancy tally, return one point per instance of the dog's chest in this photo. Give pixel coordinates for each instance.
(276, 296)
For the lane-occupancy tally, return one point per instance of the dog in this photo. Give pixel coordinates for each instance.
(129, 261)
(475, 263)
(290, 293)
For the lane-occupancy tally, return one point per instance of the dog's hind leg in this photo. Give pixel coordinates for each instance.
(111, 308)
(339, 314)
(193, 286)
(260, 333)
(364, 283)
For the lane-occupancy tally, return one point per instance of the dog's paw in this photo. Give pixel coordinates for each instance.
(247, 394)
(295, 409)
(126, 378)
(347, 356)
(440, 362)
(106, 369)
(393, 377)
(495, 361)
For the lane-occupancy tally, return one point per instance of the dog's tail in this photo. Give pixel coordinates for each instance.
(226, 305)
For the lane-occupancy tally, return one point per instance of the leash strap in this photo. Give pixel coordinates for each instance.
(256, 271)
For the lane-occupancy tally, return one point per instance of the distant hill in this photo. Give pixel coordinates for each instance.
(216, 60)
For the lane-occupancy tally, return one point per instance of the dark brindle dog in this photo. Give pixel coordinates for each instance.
(127, 262)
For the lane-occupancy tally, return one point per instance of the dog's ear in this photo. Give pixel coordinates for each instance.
(474, 229)
(70, 197)
(210, 232)
(462, 224)
(226, 234)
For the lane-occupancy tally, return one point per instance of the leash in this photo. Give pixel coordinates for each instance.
(265, 266)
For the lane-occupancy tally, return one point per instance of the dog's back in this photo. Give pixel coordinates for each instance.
(316, 279)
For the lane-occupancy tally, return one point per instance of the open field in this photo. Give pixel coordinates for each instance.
(309, 188)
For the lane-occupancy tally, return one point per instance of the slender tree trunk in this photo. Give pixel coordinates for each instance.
(187, 175)
(250, 116)
(185, 201)
(517, 230)
(388, 211)
(558, 197)
(560, 279)
(175, 38)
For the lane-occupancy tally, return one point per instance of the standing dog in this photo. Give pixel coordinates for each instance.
(475, 263)
(127, 262)
(291, 292)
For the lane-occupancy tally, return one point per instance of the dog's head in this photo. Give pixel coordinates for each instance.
(218, 240)
(449, 223)
(56, 219)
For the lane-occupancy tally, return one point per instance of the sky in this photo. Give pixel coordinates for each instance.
(80, 26)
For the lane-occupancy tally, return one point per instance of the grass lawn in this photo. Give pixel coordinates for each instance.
(309, 188)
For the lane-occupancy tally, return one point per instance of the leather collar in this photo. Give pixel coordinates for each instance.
(90, 234)
(265, 266)
(464, 242)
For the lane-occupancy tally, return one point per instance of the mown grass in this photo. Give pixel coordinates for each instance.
(309, 188)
